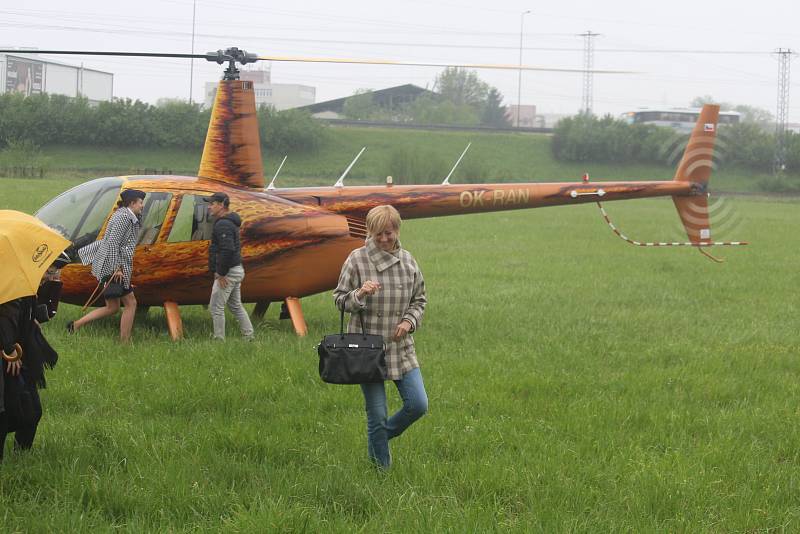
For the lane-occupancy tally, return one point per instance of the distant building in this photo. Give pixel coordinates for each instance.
(527, 116)
(279, 95)
(389, 98)
(30, 74)
(549, 120)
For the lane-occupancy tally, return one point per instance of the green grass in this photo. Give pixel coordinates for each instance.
(576, 383)
(501, 157)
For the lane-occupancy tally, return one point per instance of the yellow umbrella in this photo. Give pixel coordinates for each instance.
(27, 248)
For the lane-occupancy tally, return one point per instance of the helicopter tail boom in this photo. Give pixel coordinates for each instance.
(420, 201)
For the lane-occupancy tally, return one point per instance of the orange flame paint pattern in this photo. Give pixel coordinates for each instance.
(232, 153)
(287, 249)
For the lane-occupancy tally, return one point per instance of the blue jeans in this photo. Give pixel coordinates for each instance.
(380, 429)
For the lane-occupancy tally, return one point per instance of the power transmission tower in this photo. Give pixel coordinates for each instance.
(782, 113)
(588, 65)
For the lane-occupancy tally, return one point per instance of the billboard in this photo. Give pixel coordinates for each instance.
(23, 76)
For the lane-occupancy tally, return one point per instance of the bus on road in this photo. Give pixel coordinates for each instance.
(680, 119)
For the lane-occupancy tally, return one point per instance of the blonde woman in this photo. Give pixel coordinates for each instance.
(382, 281)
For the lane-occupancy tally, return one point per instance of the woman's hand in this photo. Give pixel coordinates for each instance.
(369, 288)
(14, 367)
(402, 329)
(117, 276)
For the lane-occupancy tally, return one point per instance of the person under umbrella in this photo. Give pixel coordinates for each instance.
(29, 249)
(25, 354)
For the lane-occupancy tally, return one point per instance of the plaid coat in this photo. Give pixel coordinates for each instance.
(402, 296)
(116, 248)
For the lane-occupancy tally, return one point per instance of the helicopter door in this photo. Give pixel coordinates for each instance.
(193, 222)
(153, 214)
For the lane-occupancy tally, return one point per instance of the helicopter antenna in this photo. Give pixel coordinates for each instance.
(447, 179)
(272, 183)
(340, 181)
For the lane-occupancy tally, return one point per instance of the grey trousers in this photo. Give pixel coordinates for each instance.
(232, 296)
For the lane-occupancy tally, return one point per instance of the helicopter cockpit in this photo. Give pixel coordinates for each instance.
(79, 213)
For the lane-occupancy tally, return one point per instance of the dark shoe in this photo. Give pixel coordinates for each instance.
(71, 327)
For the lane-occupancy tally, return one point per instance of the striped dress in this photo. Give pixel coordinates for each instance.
(115, 250)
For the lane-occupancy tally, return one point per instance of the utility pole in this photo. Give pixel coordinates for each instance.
(519, 79)
(191, 62)
(588, 66)
(782, 113)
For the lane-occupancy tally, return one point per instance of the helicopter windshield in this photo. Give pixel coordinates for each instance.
(78, 214)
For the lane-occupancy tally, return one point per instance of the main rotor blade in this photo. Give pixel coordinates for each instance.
(300, 59)
(221, 56)
(88, 53)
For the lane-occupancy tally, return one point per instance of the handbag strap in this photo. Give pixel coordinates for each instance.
(95, 294)
(360, 317)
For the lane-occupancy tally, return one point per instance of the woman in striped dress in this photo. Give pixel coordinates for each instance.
(112, 259)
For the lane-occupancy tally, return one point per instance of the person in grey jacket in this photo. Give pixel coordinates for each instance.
(112, 259)
(382, 281)
(225, 263)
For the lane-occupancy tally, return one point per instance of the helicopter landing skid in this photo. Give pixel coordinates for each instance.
(296, 315)
(174, 323)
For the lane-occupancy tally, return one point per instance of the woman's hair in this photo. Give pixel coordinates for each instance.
(122, 204)
(380, 218)
(129, 196)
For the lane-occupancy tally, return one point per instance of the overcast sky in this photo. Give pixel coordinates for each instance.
(680, 49)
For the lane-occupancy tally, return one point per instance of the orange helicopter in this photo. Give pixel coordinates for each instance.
(294, 240)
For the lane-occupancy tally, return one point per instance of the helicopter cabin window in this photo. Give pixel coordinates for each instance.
(153, 213)
(78, 214)
(193, 222)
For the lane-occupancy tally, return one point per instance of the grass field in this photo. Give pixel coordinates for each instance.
(576, 384)
(498, 157)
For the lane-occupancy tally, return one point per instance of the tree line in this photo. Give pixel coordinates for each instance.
(41, 120)
(747, 144)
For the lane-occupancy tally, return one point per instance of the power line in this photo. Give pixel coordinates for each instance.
(128, 29)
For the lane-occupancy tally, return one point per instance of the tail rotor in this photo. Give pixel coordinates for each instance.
(695, 168)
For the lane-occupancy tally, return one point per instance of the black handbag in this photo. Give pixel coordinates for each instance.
(113, 290)
(108, 288)
(352, 358)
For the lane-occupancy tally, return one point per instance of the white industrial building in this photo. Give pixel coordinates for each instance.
(279, 95)
(522, 116)
(31, 74)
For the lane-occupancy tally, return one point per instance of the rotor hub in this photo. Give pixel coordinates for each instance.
(233, 56)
